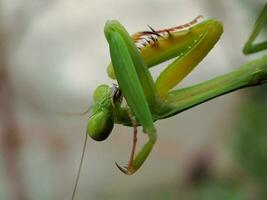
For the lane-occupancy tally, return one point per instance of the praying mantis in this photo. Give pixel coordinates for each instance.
(149, 100)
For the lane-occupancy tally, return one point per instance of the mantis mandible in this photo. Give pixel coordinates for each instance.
(147, 100)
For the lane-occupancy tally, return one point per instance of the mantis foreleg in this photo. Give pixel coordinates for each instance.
(132, 91)
(203, 37)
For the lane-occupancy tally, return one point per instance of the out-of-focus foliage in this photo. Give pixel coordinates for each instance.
(251, 140)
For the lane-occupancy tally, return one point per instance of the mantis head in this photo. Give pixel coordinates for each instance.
(101, 123)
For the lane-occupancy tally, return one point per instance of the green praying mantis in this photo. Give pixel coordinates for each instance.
(149, 100)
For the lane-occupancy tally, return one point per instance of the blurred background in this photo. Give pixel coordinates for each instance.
(54, 54)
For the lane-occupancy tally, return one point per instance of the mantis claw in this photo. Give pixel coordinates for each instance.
(124, 169)
(128, 169)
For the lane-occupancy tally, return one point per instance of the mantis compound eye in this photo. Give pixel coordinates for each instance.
(100, 125)
(116, 95)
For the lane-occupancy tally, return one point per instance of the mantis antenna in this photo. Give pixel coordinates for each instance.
(74, 114)
(80, 167)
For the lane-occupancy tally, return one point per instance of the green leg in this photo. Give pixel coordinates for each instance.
(203, 37)
(251, 74)
(249, 46)
(142, 71)
(132, 90)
